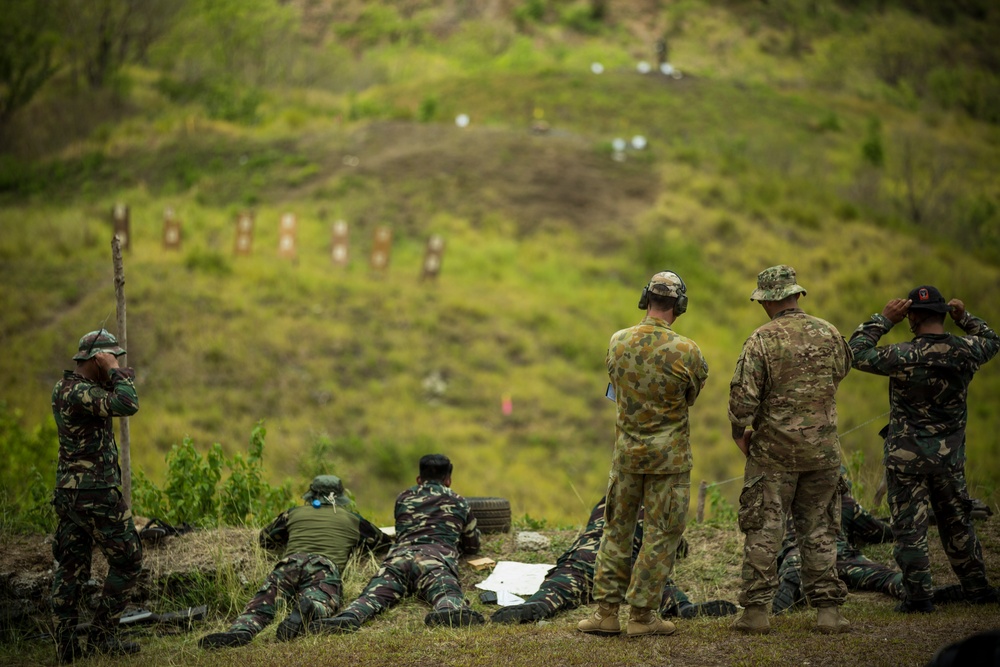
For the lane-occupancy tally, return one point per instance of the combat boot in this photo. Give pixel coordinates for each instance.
(109, 643)
(455, 618)
(68, 648)
(521, 613)
(603, 622)
(306, 611)
(830, 621)
(340, 624)
(225, 639)
(908, 606)
(754, 620)
(714, 608)
(646, 623)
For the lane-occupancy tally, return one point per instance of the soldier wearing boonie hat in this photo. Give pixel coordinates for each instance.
(88, 498)
(784, 387)
(924, 448)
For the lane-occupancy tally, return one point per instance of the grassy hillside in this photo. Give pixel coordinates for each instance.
(760, 154)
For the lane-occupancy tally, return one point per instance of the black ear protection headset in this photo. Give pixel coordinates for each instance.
(680, 304)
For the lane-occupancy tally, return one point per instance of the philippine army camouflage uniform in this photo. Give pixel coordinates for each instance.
(657, 374)
(568, 584)
(434, 526)
(316, 543)
(924, 452)
(784, 387)
(88, 500)
(857, 528)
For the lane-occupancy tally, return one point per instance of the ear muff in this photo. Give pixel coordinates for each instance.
(680, 304)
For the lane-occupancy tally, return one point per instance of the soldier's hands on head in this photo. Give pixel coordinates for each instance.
(957, 309)
(106, 361)
(896, 309)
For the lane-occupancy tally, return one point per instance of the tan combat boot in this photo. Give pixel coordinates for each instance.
(646, 622)
(830, 621)
(604, 622)
(754, 620)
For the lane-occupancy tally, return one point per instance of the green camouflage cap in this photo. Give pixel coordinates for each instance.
(328, 488)
(776, 283)
(667, 283)
(96, 342)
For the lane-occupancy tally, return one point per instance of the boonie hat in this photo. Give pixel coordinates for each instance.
(666, 283)
(327, 487)
(776, 283)
(96, 342)
(928, 297)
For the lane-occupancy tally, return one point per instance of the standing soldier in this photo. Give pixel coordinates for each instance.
(656, 375)
(434, 526)
(925, 440)
(317, 540)
(785, 388)
(88, 500)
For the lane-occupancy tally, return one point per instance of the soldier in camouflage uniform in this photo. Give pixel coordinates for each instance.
(656, 374)
(784, 387)
(925, 440)
(568, 584)
(434, 526)
(857, 528)
(88, 500)
(317, 539)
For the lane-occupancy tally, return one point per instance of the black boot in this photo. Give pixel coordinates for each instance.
(225, 639)
(521, 613)
(298, 621)
(455, 618)
(341, 624)
(68, 647)
(908, 606)
(714, 608)
(110, 643)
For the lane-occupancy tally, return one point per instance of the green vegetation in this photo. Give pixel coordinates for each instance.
(853, 140)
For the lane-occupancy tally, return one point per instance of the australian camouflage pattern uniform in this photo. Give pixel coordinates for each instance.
(656, 374)
(857, 528)
(88, 499)
(316, 541)
(924, 449)
(784, 387)
(568, 584)
(434, 526)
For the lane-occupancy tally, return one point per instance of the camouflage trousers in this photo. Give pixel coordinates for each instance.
(856, 570)
(665, 499)
(296, 577)
(813, 500)
(908, 497)
(420, 572)
(88, 517)
(568, 588)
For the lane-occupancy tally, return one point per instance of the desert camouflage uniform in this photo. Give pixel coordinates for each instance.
(857, 528)
(657, 374)
(568, 584)
(88, 500)
(924, 451)
(434, 526)
(784, 387)
(317, 543)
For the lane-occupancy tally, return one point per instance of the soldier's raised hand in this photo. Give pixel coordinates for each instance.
(957, 309)
(896, 309)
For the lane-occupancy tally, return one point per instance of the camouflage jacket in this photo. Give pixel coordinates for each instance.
(656, 374)
(785, 388)
(88, 454)
(327, 530)
(929, 380)
(433, 518)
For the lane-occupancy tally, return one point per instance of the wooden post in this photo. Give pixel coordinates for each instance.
(171, 230)
(286, 236)
(124, 451)
(381, 248)
(338, 249)
(433, 257)
(702, 493)
(120, 217)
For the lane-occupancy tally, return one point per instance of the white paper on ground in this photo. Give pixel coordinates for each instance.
(517, 578)
(508, 599)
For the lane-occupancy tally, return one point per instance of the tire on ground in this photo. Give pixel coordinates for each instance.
(492, 514)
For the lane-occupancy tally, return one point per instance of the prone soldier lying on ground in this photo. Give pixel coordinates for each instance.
(568, 584)
(318, 538)
(434, 526)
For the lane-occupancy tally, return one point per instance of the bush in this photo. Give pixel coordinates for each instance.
(192, 493)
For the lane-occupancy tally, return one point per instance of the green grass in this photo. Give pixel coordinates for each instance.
(755, 158)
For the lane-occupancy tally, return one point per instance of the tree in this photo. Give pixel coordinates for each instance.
(28, 41)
